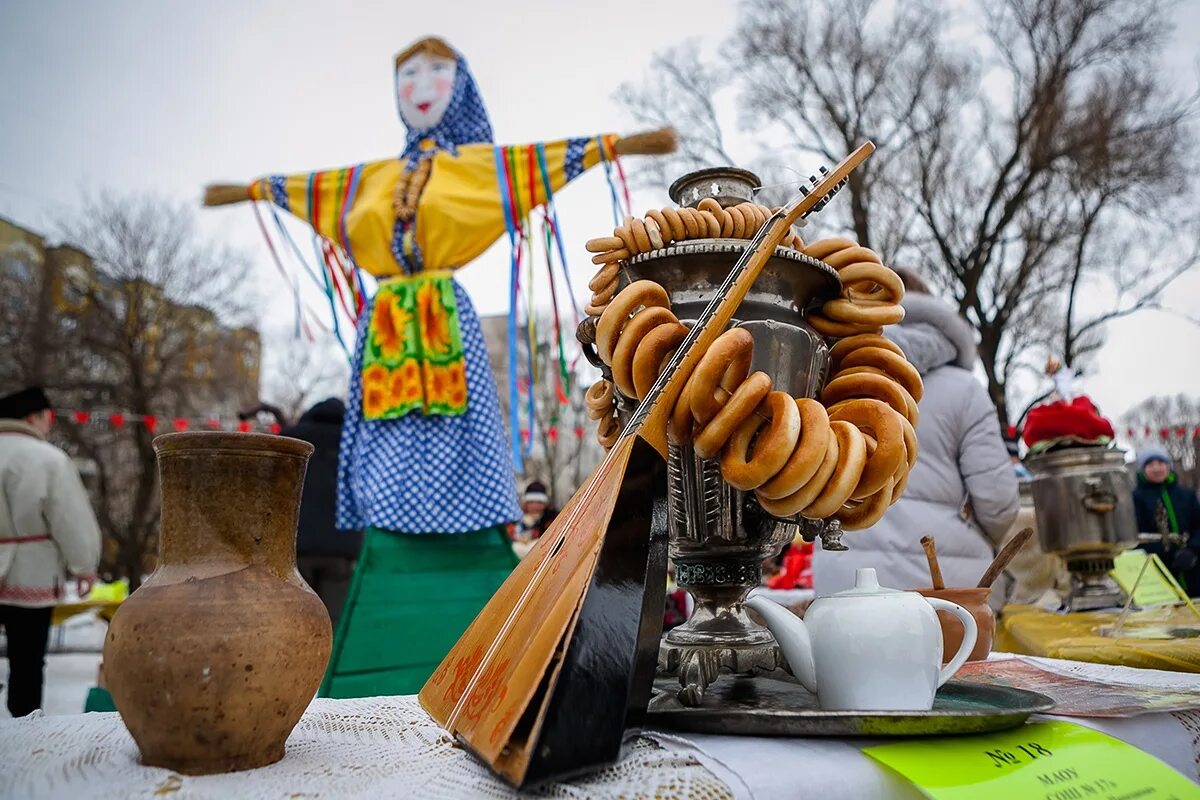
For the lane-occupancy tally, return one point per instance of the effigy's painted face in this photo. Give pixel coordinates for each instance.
(424, 85)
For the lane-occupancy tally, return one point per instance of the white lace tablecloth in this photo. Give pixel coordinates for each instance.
(388, 747)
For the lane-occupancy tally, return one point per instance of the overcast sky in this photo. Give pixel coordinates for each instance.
(167, 96)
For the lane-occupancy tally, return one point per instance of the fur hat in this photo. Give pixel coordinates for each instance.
(19, 405)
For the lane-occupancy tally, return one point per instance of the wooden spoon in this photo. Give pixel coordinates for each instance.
(935, 571)
(1006, 554)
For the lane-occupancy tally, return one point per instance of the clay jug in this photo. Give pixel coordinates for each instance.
(214, 659)
(975, 601)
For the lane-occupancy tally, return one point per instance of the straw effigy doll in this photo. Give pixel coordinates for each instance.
(424, 468)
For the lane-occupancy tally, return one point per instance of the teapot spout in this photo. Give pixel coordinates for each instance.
(792, 635)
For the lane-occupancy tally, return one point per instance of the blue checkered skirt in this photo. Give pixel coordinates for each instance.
(428, 474)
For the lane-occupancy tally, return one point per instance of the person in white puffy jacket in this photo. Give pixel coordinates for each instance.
(47, 532)
(962, 490)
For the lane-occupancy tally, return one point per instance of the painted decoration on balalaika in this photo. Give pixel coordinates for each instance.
(413, 359)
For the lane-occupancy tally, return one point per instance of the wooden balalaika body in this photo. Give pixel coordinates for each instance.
(562, 659)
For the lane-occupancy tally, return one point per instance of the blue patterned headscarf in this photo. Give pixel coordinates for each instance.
(465, 121)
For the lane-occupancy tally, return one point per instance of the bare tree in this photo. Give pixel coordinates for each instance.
(1170, 423)
(298, 372)
(567, 447)
(1025, 201)
(1023, 175)
(564, 447)
(140, 317)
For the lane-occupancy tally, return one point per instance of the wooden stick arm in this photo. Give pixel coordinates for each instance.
(648, 143)
(225, 194)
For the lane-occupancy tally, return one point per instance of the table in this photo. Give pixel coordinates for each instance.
(388, 747)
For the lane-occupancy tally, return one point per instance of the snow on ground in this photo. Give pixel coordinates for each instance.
(71, 665)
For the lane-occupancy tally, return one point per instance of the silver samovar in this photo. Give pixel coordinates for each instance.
(718, 536)
(1083, 499)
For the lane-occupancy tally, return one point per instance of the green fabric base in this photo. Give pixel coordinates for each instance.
(98, 700)
(410, 600)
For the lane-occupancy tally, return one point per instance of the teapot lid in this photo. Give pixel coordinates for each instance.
(866, 583)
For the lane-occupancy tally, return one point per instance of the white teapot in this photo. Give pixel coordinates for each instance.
(868, 648)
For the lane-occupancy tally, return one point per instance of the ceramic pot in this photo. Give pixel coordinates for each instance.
(975, 601)
(213, 660)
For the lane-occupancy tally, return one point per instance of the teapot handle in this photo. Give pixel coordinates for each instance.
(970, 632)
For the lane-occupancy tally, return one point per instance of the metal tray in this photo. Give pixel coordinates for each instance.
(775, 704)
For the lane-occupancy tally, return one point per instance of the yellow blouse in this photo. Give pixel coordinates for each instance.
(460, 212)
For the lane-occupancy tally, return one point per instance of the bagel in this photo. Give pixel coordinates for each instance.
(847, 256)
(847, 456)
(678, 229)
(640, 237)
(608, 431)
(803, 497)
(605, 295)
(603, 244)
(855, 313)
(852, 460)
(625, 234)
(599, 399)
(725, 364)
(652, 353)
(864, 514)
(713, 435)
(611, 257)
(896, 366)
(631, 336)
(655, 233)
(664, 226)
(883, 424)
(824, 247)
(880, 282)
(828, 327)
(754, 454)
(910, 442)
(808, 455)
(634, 296)
(851, 343)
(879, 387)
(604, 277)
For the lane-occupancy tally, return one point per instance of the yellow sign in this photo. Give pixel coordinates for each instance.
(1041, 761)
(1147, 579)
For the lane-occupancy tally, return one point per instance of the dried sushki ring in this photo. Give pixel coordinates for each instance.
(808, 455)
(612, 321)
(883, 423)
(746, 466)
(717, 431)
(852, 460)
(724, 366)
(802, 498)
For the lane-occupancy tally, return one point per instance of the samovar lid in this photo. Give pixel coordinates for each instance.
(729, 186)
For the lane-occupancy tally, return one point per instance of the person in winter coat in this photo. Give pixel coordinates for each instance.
(1164, 507)
(325, 556)
(962, 489)
(536, 516)
(47, 533)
